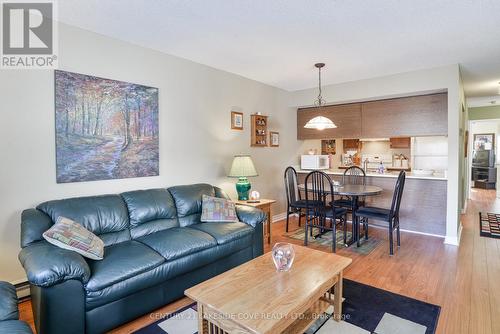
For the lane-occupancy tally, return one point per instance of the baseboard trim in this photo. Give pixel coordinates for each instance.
(409, 231)
(278, 217)
(455, 241)
(22, 290)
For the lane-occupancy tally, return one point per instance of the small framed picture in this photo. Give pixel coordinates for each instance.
(236, 120)
(274, 139)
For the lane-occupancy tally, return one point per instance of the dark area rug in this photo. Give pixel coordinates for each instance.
(366, 309)
(489, 225)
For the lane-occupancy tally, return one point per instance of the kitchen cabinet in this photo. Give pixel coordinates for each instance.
(347, 118)
(408, 116)
(424, 115)
(351, 144)
(400, 142)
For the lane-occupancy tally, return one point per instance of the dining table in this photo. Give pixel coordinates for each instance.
(354, 192)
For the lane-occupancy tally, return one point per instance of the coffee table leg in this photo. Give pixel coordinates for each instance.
(337, 299)
(202, 322)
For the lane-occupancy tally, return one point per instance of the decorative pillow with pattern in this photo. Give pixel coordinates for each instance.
(70, 235)
(215, 209)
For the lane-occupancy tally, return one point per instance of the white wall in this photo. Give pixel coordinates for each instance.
(196, 142)
(439, 79)
(430, 152)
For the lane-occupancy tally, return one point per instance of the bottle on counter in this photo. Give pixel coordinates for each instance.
(381, 168)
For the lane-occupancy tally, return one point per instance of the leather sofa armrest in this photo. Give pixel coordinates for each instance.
(47, 265)
(8, 302)
(250, 215)
(33, 223)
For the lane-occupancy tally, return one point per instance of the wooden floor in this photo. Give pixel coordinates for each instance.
(464, 281)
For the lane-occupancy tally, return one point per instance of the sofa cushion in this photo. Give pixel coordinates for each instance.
(106, 216)
(15, 327)
(216, 209)
(178, 242)
(166, 271)
(150, 211)
(188, 201)
(122, 260)
(70, 235)
(224, 232)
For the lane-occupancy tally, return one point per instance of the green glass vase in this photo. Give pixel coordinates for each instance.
(243, 187)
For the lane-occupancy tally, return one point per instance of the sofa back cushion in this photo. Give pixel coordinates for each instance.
(188, 201)
(106, 216)
(150, 211)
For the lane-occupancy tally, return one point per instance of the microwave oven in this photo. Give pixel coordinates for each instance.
(314, 162)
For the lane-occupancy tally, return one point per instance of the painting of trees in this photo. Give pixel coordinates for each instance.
(105, 129)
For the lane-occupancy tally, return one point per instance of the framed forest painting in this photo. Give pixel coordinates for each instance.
(105, 129)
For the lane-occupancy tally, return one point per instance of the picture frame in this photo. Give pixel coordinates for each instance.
(236, 120)
(274, 139)
(484, 141)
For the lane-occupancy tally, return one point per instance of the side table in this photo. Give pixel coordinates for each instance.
(264, 205)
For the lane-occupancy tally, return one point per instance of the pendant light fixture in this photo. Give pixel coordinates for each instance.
(320, 122)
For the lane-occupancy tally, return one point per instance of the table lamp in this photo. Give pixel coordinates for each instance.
(242, 168)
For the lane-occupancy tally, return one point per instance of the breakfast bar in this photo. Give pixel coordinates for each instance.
(423, 206)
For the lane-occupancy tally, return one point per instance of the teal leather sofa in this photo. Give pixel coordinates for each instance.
(156, 247)
(9, 313)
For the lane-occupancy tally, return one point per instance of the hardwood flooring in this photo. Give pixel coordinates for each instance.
(463, 280)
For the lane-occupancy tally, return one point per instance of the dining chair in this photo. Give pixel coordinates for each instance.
(391, 216)
(295, 204)
(352, 175)
(318, 186)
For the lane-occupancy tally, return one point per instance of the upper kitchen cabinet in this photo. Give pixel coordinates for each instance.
(347, 118)
(401, 142)
(409, 116)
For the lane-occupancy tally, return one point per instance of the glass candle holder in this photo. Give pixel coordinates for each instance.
(283, 255)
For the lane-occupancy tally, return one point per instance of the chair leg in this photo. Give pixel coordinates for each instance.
(305, 234)
(366, 229)
(344, 225)
(334, 237)
(287, 219)
(357, 228)
(300, 216)
(398, 235)
(391, 243)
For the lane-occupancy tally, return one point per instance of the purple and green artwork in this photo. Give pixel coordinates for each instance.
(105, 129)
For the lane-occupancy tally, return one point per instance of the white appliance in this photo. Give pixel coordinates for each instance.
(314, 161)
(375, 159)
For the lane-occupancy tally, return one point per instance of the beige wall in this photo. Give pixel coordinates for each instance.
(489, 112)
(196, 142)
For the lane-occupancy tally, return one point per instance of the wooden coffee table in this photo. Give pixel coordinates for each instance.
(255, 298)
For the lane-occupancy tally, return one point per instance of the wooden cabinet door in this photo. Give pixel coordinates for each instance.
(400, 142)
(347, 117)
(408, 116)
(350, 144)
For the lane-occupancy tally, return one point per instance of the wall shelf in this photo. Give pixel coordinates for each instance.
(259, 134)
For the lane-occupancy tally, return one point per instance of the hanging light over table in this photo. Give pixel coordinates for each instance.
(320, 122)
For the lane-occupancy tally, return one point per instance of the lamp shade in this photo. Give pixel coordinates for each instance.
(242, 167)
(320, 123)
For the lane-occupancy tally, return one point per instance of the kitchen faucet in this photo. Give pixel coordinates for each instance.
(365, 165)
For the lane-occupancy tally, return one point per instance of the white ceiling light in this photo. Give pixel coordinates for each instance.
(319, 122)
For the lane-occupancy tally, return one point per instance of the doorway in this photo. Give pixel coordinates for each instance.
(484, 157)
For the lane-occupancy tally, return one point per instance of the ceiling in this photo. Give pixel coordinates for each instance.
(277, 42)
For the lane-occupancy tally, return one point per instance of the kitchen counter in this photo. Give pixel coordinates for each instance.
(423, 206)
(391, 174)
